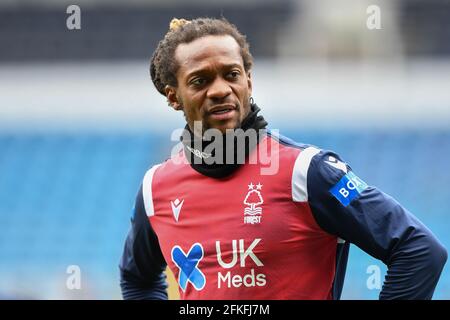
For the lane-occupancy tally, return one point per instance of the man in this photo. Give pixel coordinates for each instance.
(229, 231)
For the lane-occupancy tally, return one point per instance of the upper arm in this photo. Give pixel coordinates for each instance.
(345, 206)
(142, 261)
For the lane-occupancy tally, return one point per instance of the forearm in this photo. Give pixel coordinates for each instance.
(414, 269)
(379, 225)
(135, 290)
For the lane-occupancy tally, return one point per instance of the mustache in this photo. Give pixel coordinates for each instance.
(212, 107)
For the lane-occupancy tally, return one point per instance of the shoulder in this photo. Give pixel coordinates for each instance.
(313, 167)
(162, 175)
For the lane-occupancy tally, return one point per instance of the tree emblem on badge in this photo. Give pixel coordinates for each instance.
(253, 199)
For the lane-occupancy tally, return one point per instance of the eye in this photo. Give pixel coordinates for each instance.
(198, 82)
(233, 74)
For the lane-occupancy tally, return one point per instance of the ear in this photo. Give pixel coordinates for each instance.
(172, 98)
(249, 82)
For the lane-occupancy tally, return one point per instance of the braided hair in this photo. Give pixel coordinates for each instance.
(163, 66)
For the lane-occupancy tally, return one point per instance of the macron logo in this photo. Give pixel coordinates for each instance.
(332, 161)
(176, 208)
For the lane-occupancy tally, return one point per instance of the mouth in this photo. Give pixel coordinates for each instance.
(222, 112)
(222, 108)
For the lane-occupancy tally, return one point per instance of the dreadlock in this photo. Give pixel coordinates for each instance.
(163, 67)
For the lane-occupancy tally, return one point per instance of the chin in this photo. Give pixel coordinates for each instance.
(230, 125)
(224, 125)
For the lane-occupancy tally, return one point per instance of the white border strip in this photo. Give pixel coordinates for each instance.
(147, 191)
(300, 174)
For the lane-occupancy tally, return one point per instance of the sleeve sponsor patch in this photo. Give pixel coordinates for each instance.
(348, 188)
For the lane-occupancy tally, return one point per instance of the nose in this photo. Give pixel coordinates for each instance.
(219, 89)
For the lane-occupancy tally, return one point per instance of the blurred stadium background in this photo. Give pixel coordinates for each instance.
(80, 121)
